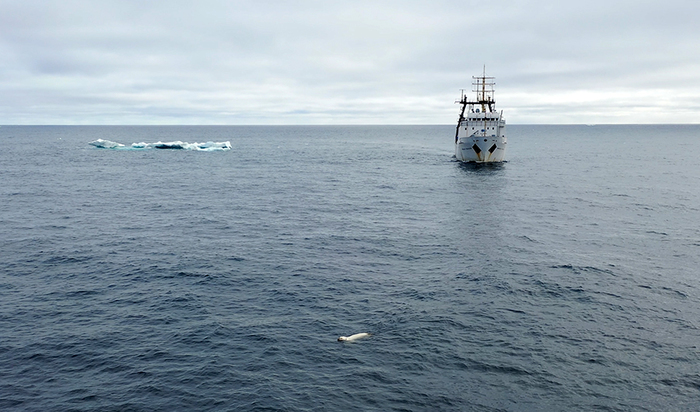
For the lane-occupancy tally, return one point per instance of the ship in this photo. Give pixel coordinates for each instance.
(481, 130)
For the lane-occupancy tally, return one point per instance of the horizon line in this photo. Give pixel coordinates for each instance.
(339, 125)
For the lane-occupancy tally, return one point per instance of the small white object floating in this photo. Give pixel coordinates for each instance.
(353, 337)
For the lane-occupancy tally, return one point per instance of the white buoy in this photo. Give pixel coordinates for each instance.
(353, 337)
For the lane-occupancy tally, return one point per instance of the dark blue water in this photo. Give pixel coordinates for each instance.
(178, 280)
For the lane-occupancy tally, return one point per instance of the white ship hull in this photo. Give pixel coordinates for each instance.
(481, 149)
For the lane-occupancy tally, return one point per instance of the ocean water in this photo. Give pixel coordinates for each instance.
(139, 279)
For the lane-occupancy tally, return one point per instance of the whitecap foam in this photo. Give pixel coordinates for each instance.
(175, 145)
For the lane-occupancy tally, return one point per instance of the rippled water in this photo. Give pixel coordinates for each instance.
(565, 279)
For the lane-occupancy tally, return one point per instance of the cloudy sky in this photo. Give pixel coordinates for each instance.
(346, 62)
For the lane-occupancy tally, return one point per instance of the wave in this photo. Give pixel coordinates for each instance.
(177, 145)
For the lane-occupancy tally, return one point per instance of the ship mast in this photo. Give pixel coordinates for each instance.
(484, 96)
(483, 90)
(483, 86)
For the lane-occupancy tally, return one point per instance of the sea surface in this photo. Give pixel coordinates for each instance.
(218, 278)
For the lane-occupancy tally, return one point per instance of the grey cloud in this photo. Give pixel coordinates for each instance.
(271, 62)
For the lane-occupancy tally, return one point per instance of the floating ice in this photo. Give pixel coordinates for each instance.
(177, 145)
(106, 144)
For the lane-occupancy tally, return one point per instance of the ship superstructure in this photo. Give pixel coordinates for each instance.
(480, 136)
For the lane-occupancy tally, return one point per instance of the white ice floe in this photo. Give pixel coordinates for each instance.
(176, 145)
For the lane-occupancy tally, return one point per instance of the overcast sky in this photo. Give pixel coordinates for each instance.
(346, 62)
